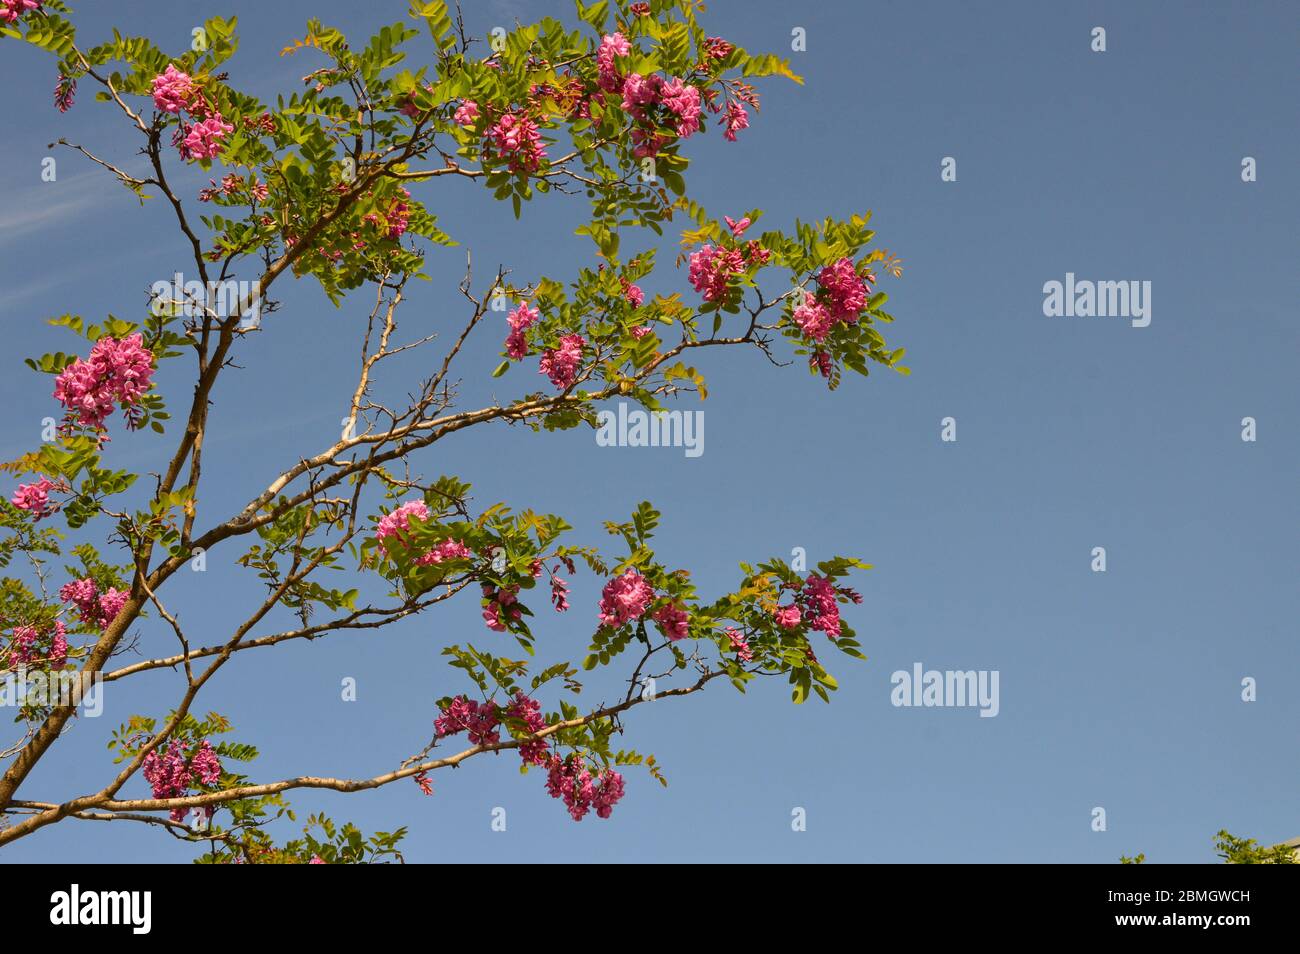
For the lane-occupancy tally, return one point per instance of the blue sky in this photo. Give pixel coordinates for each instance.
(1118, 690)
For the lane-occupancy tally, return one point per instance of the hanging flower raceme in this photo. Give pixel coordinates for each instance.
(466, 113)
(95, 608)
(570, 779)
(116, 373)
(35, 498)
(673, 621)
(65, 91)
(816, 602)
(31, 646)
(462, 714)
(625, 598)
(11, 11)
(529, 712)
(740, 644)
(175, 91)
(711, 269)
(841, 297)
(499, 607)
(173, 774)
(521, 319)
(516, 139)
(394, 527)
(561, 364)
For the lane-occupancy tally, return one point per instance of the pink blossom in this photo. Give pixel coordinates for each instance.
(736, 120)
(447, 550)
(820, 362)
(58, 646)
(640, 331)
(559, 593)
(711, 269)
(813, 319)
(94, 608)
(529, 712)
(23, 649)
(172, 89)
(684, 100)
(117, 372)
(611, 47)
(316, 860)
(561, 364)
(65, 91)
(673, 621)
(397, 523)
(846, 289)
(717, 48)
(397, 215)
(570, 779)
(34, 498)
(625, 598)
(787, 617)
(640, 91)
(462, 714)
(521, 319)
(517, 138)
(171, 775)
(466, 113)
(206, 764)
(739, 644)
(202, 140)
(820, 598)
(634, 295)
(13, 9)
(499, 609)
(737, 228)
(608, 793)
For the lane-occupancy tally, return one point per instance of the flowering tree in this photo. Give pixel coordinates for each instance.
(325, 186)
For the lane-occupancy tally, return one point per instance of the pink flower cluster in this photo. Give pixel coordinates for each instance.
(842, 297)
(466, 113)
(816, 601)
(612, 47)
(463, 714)
(398, 215)
(570, 779)
(65, 92)
(633, 293)
(95, 608)
(399, 521)
(711, 270)
(116, 373)
(172, 774)
(625, 598)
(559, 593)
(561, 364)
(529, 712)
(521, 319)
(654, 102)
(516, 138)
(499, 609)
(23, 650)
(35, 498)
(740, 644)
(175, 91)
(673, 621)
(172, 89)
(12, 10)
